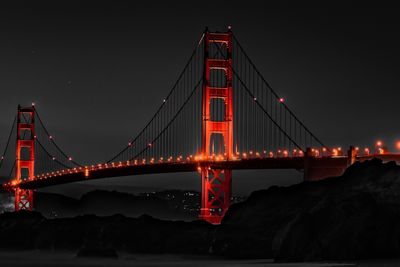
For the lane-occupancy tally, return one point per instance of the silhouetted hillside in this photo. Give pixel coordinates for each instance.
(107, 203)
(355, 216)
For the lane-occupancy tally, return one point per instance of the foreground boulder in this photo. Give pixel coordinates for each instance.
(355, 216)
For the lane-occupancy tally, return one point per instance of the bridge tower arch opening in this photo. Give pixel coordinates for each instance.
(216, 183)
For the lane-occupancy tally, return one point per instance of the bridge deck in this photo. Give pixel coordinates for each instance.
(99, 172)
(125, 169)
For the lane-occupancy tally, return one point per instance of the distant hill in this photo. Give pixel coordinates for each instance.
(76, 190)
(164, 205)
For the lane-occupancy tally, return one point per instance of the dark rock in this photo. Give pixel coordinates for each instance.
(18, 230)
(29, 230)
(97, 253)
(355, 216)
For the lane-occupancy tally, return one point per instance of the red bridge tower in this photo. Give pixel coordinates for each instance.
(25, 156)
(216, 183)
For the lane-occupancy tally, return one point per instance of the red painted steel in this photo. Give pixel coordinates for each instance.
(25, 140)
(216, 183)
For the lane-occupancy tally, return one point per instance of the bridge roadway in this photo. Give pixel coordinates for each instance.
(120, 169)
(315, 168)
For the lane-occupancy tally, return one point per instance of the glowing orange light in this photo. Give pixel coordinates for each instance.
(378, 143)
(398, 145)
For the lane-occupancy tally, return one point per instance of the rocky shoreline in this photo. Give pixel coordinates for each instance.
(352, 217)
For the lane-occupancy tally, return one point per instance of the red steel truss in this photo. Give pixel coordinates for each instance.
(216, 183)
(25, 161)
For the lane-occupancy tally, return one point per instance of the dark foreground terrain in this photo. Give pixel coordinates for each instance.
(355, 216)
(352, 217)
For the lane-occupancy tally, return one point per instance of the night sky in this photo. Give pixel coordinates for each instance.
(97, 72)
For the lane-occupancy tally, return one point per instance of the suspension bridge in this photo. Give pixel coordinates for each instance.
(220, 115)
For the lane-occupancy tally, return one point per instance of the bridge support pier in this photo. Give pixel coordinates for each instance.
(215, 194)
(351, 156)
(320, 168)
(23, 199)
